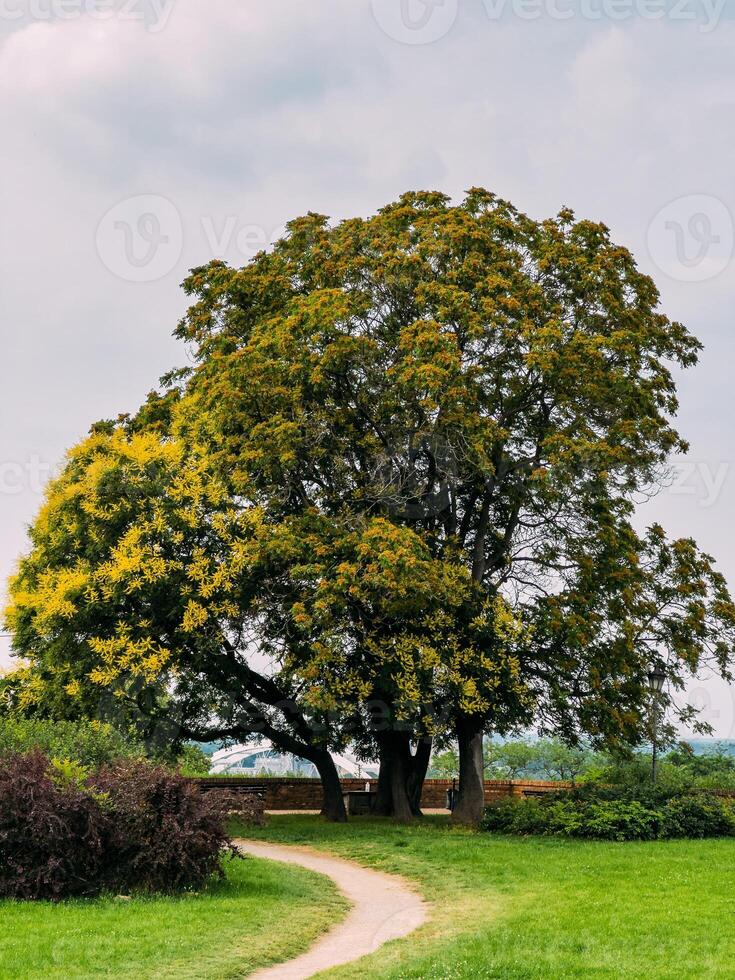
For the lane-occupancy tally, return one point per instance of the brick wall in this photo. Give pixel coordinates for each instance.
(306, 794)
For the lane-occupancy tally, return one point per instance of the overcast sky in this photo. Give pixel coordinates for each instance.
(142, 137)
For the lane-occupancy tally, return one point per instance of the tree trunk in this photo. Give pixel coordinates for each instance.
(419, 763)
(471, 799)
(384, 803)
(402, 811)
(401, 777)
(333, 807)
(395, 767)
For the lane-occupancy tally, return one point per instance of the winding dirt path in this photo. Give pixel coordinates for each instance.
(383, 908)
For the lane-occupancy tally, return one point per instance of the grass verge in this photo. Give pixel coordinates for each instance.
(507, 907)
(259, 914)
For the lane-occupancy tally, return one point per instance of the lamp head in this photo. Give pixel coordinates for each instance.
(656, 678)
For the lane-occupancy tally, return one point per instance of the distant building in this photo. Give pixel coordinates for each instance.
(259, 758)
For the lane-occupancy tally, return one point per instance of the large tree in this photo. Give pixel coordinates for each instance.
(426, 432)
(501, 387)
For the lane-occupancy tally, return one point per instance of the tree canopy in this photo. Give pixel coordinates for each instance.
(404, 469)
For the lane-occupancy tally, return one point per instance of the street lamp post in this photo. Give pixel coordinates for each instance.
(656, 678)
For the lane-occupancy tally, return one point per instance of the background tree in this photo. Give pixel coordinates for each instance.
(564, 762)
(516, 759)
(445, 764)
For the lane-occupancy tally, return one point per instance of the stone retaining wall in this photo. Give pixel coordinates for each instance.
(306, 794)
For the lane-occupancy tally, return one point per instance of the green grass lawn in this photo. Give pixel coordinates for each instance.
(501, 907)
(541, 907)
(261, 913)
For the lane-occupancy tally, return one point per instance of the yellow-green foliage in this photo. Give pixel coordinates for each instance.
(121, 525)
(137, 520)
(403, 465)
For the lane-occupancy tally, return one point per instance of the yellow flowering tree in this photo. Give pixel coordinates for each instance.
(140, 600)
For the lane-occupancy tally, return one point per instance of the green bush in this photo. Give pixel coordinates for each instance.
(699, 815)
(722, 780)
(89, 743)
(620, 820)
(603, 815)
(193, 761)
(679, 770)
(528, 817)
(714, 767)
(563, 817)
(549, 815)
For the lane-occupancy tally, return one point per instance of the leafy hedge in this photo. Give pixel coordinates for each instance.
(607, 815)
(65, 831)
(90, 743)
